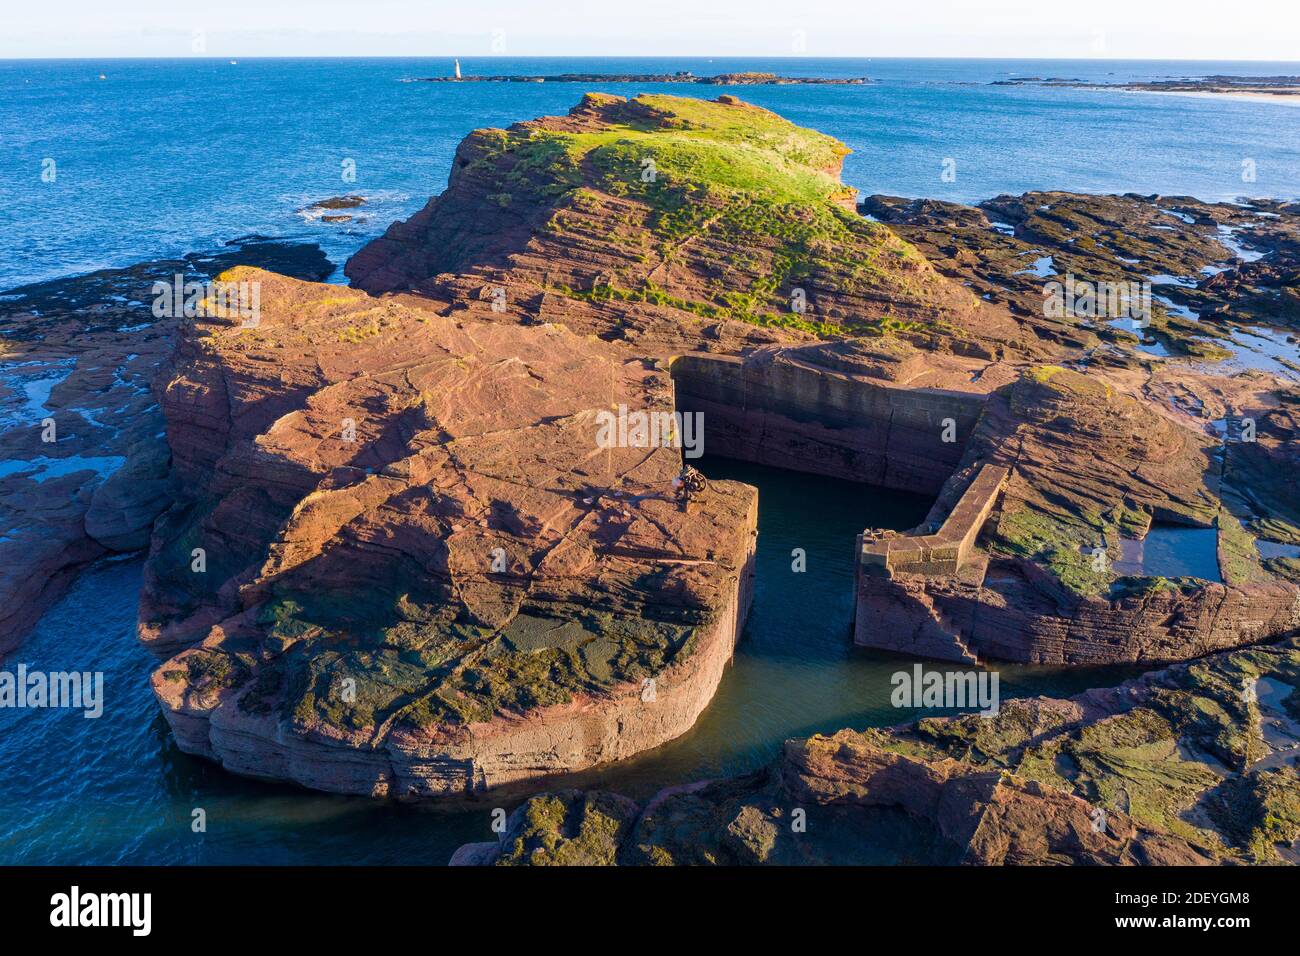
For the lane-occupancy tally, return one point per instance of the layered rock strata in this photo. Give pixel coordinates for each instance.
(838, 409)
(672, 225)
(404, 562)
(1048, 583)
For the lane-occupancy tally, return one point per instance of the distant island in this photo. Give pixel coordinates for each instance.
(1249, 87)
(682, 76)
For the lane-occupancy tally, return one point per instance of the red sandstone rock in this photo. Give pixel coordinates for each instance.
(82, 353)
(1088, 468)
(472, 592)
(96, 486)
(583, 246)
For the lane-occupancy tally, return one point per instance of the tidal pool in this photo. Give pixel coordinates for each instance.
(1172, 552)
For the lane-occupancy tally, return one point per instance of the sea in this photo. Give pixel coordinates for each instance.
(157, 158)
(104, 163)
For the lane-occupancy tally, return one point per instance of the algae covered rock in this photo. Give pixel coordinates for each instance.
(1089, 466)
(1140, 774)
(567, 829)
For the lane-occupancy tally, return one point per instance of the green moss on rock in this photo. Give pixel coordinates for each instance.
(568, 829)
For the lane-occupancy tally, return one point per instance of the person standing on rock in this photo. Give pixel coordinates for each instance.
(687, 486)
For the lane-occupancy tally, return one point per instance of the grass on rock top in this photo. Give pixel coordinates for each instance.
(692, 142)
(758, 186)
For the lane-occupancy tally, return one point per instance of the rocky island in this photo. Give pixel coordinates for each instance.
(396, 560)
(747, 78)
(1261, 88)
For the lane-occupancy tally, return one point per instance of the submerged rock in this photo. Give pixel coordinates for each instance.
(331, 209)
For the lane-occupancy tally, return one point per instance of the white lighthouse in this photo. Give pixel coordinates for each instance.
(458, 69)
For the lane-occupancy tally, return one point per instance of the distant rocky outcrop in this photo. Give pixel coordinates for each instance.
(1280, 85)
(747, 78)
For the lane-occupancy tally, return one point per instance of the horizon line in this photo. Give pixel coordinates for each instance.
(647, 56)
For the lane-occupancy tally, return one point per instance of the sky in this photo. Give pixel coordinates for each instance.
(1122, 29)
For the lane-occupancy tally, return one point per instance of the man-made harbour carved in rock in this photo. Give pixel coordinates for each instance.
(1178, 767)
(350, 632)
(395, 561)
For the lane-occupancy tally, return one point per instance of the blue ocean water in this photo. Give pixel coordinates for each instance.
(163, 157)
(167, 157)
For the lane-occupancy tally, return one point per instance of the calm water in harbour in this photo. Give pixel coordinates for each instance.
(116, 789)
